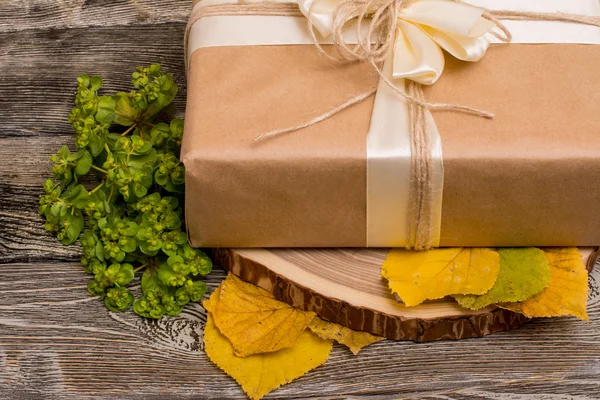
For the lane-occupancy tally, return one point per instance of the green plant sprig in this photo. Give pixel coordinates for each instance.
(132, 221)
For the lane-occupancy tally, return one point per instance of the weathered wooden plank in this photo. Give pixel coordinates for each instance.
(19, 15)
(58, 341)
(37, 89)
(24, 167)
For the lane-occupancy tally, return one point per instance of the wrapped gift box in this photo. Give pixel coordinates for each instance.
(529, 177)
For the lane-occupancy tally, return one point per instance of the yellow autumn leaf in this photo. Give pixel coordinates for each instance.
(259, 374)
(354, 340)
(209, 305)
(567, 292)
(416, 276)
(253, 320)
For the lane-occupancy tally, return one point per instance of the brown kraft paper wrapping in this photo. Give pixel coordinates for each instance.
(530, 177)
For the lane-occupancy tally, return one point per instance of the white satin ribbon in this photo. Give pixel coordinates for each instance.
(389, 169)
(388, 146)
(261, 30)
(254, 30)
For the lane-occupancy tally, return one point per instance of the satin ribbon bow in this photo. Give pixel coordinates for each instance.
(424, 28)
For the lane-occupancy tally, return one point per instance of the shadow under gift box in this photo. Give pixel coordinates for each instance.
(529, 177)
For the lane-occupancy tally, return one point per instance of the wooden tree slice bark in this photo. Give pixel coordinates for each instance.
(344, 286)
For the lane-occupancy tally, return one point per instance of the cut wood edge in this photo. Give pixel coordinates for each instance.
(590, 256)
(438, 320)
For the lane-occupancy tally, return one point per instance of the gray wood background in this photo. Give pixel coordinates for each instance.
(58, 342)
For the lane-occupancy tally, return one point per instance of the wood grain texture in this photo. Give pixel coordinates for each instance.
(40, 67)
(24, 166)
(19, 15)
(57, 342)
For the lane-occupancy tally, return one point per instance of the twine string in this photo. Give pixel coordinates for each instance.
(419, 224)
(349, 103)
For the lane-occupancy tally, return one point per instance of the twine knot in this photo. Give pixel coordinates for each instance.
(380, 16)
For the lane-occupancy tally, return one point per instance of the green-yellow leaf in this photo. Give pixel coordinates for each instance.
(416, 276)
(354, 340)
(253, 320)
(125, 113)
(567, 291)
(259, 374)
(524, 272)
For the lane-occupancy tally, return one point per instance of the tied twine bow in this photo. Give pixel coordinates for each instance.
(414, 31)
(411, 34)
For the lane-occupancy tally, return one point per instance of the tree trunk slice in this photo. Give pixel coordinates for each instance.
(345, 286)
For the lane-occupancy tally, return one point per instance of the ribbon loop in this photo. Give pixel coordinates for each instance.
(415, 31)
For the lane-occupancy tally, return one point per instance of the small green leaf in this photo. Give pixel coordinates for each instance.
(176, 127)
(161, 178)
(149, 280)
(96, 288)
(84, 80)
(102, 223)
(142, 160)
(139, 190)
(120, 274)
(160, 133)
(131, 229)
(95, 83)
(172, 221)
(73, 228)
(170, 273)
(150, 249)
(96, 144)
(126, 114)
(83, 165)
(118, 299)
(175, 260)
(140, 146)
(168, 91)
(128, 245)
(64, 152)
(106, 110)
(78, 196)
(182, 297)
(196, 290)
(100, 251)
(55, 209)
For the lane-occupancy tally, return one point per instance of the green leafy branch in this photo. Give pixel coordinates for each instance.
(131, 222)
